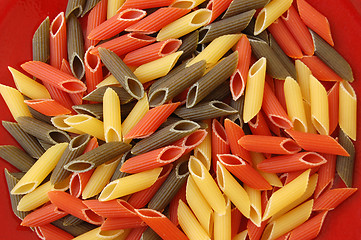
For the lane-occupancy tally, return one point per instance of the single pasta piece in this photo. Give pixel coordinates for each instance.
(309, 229)
(326, 174)
(144, 4)
(93, 70)
(347, 109)
(255, 232)
(258, 125)
(41, 42)
(15, 102)
(111, 209)
(58, 122)
(345, 164)
(96, 16)
(330, 199)
(112, 116)
(240, 6)
(58, 46)
(87, 124)
(97, 233)
(255, 205)
(74, 7)
(122, 223)
(78, 182)
(48, 107)
(174, 204)
(222, 223)
(49, 231)
(16, 157)
(43, 215)
(303, 79)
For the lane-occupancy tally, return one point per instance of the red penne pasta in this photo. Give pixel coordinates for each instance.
(330, 199)
(117, 208)
(65, 67)
(217, 7)
(136, 233)
(326, 174)
(58, 43)
(125, 44)
(152, 159)
(191, 141)
(122, 223)
(254, 232)
(48, 107)
(319, 69)
(140, 4)
(95, 17)
(74, 206)
(289, 163)
(309, 229)
(151, 121)
(78, 181)
(49, 231)
(279, 92)
(236, 218)
(285, 39)
(317, 143)
(116, 24)
(173, 205)
(161, 224)
(43, 215)
(59, 95)
(93, 70)
(53, 76)
(273, 109)
(299, 30)
(76, 98)
(239, 78)
(283, 237)
(220, 144)
(152, 52)
(234, 132)
(269, 144)
(141, 198)
(243, 171)
(258, 125)
(157, 20)
(315, 20)
(92, 144)
(333, 104)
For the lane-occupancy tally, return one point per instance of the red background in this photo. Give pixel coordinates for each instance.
(20, 18)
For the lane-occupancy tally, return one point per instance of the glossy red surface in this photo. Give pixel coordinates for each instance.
(20, 18)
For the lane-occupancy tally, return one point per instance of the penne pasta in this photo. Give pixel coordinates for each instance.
(43, 215)
(217, 8)
(113, 6)
(330, 199)
(240, 6)
(222, 223)
(75, 46)
(47, 107)
(347, 109)
(345, 164)
(16, 157)
(309, 229)
(87, 124)
(333, 106)
(93, 110)
(15, 102)
(255, 215)
(97, 94)
(112, 116)
(96, 16)
(41, 42)
(189, 46)
(58, 48)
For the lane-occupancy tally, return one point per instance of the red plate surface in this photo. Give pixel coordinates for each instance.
(19, 20)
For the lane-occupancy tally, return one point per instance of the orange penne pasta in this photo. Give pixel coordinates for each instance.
(239, 78)
(326, 174)
(95, 17)
(234, 132)
(49, 231)
(122, 223)
(258, 125)
(299, 30)
(43, 215)
(59, 95)
(280, 92)
(157, 20)
(116, 24)
(48, 107)
(141, 198)
(151, 121)
(78, 181)
(217, 7)
(330, 199)
(161, 224)
(255, 232)
(136, 233)
(289, 163)
(333, 104)
(125, 44)
(236, 218)
(269, 144)
(152, 159)
(111, 209)
(317, 143)
(285, 39)
(319, 69)
(74, 206)
(243, 171)
(273, 109)
(152, 52)
(140, 4)
(53, 76)
(58, 43)
(93, 70)
(309, 229)
(191, 141)
(220, 144)
(315, 20)
(173, 205)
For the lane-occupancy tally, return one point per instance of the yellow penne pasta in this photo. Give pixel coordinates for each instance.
(157, 68)
(28, 86)
(307, 108)
(289, 221)
(233, 190)
(216, 49)
(87, 124)
(203, 151)
(97, 233)
(241, 236)
(188, 4)
(40, 170)
(100, 178)
(294, 103)
(129, 184)
(108, 81)
(58, 122)
(272, 178)
(270, 13)
(303, 79)
(15, 102)
(207, 185)
(137, 113)
(112, 116)
(347, 109)
(184, 25)
(199, 205)
(256, 205)
(190, 225)
(286, 195)
(254, 89)
(222, 223)
(113, 6)
(319, 106)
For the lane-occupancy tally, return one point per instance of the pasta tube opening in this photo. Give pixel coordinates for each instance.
(57, 24)
(93, 217)
(201, 18)
(131, 14)
(186, 4)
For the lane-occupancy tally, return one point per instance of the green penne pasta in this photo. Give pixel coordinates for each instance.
(345, 165)
(98, 93)
(26, 141)
(45, 145)
(71, 220)
(74, 6)
(221, 92)
(239, 6)
(16, 157)
(89, 5)
(189, 45)
(75, 44)
(249, 30)
(149, 234)
(94, 110)
(122, 73)
(41, 41)
(119, 174)
(74, 230)
(238, 105)
(40, 116)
